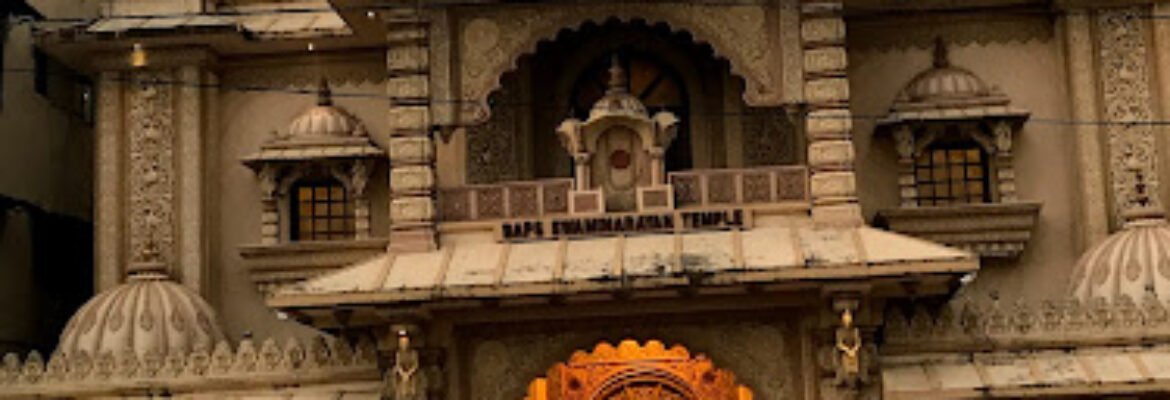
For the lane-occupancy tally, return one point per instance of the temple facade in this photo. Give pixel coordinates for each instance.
(555, 200)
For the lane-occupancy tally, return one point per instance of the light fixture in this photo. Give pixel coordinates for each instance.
(138, 56)
(371, 14)
(311, 47)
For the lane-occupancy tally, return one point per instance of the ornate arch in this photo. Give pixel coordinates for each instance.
(631, 370)
(491, 42)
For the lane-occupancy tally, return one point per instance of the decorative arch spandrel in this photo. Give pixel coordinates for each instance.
(633, 371)
(491, 41)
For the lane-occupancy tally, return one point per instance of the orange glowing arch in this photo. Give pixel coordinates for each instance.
(632, 371)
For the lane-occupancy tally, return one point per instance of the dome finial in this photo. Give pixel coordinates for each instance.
(324, 95)
(942, 58)
(617, 76)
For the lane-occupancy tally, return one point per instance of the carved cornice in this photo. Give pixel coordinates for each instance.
(889, 32)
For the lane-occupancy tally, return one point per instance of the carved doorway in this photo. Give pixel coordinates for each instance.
(632, 371)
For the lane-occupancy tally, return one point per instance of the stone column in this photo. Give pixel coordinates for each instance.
(1093, 217)
(109, 196)
(1005, 174)
(907, 182)
(269, 203)
(152, 128)
(412, 151)
(828, 121)
(359, 177)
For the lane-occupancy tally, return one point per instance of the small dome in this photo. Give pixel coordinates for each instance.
(148, 313)
(324, 120)
(617, 99)
(945, 85)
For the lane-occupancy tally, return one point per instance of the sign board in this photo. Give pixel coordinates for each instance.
(615, 224)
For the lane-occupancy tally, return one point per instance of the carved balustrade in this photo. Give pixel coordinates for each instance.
(527, 199)
(745, 186)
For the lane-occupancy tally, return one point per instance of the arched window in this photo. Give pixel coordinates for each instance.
(321, 210)
(954, 172)
(658, 86)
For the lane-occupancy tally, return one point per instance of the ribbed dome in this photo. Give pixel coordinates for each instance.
(944, 84)
(1132, 262)
(324, 120)
(617, 99)
(148, 313)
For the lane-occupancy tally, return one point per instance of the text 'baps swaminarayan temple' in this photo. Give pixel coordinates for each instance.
(557, 200)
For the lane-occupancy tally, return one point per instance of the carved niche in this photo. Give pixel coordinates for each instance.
(491, 41)
(618, 153)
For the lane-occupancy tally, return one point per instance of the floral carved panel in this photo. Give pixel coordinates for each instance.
(1123, 58)
(491, 40)
(150, 125)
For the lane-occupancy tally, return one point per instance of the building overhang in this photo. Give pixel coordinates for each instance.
(653, 265)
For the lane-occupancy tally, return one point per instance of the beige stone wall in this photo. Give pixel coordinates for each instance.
(1031, 73)
(246, 120)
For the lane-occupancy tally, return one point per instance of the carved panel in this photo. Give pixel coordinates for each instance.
(493, 39)
(1125, 82)
(768, 137)
(491, 146)
(151, 181)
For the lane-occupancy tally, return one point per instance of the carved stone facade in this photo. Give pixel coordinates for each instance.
(488, 272)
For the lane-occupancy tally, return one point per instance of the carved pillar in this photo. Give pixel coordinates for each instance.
(1004, 163)
(270, 206)
(1093, 213)
(153, 126)
(359, 178)
(109, 193)
(904, 138)
(1126, 78)
(412, 152)
(829, 121)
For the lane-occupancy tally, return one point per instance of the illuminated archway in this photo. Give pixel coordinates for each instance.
(632, 371)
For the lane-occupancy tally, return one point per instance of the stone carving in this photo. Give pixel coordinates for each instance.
(151, 175)
(493, 39)
(491, 146)
(112, 374)
(306, 74)
(963, 323)
(769, 137)
(1125, 83)
(404, 380)
(958, 29)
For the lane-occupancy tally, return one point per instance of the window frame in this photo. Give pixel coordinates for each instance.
(328, 216)
(927, 160)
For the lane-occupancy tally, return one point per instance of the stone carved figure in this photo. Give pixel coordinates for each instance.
(403, 381)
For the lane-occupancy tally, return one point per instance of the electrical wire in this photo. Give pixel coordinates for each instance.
(544, 106)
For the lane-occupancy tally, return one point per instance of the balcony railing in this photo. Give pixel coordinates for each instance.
(712, 188)
(527, 199)
(742, 186)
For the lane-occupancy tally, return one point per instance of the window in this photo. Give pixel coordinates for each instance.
(321, 210)
(952, 174)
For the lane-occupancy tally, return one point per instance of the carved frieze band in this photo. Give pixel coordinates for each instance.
(151, 185)
(1124, 54)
